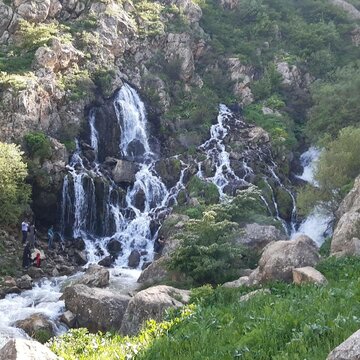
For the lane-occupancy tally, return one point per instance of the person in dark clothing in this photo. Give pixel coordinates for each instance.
(26, 256)
(159, 244)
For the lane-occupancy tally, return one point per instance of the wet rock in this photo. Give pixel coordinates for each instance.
(20, 349)
(256, 236)
(35, 323)
(151, 304)
(114, 247)
(169, 170)
(308, 274)
(25, 282)
(80, 257)
(134, 259)
(96, 309)
(94, 276)
(124, 171)
(68, 318)
(35, 273)
(79, 244)
(106, 261)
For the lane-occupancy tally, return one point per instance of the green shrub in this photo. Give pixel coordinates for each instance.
(14, 193)
(207, 252)
(203, 190)
(37, 145)
(103, 80)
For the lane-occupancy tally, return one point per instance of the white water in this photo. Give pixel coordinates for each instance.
(43, 298)
(318, 224)
(94, 135)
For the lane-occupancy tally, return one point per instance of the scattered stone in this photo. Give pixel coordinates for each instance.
(114, 247)
(34, 323)
(94, 276)
(252, 294)
(79, 244)
(308, 274)
(25, 282)
(80, 257)
(20, 349)
(124, 171)
(106, 261)
(35, 273)
(68, 318)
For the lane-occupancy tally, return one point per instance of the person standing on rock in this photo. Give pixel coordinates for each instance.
(24, 230)
(26, 256)
(31, 235)
(50, 237)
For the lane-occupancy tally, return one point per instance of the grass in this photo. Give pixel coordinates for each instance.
(293, 322)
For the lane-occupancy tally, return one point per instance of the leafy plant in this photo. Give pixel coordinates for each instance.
(38, 145)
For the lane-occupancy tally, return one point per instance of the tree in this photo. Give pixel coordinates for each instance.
(14, 192)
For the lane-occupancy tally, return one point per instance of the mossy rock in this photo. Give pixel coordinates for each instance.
(285, 204)
(203, 191)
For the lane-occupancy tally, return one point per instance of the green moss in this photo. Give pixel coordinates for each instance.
(203, 191)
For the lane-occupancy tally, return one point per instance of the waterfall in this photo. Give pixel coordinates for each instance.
(129, 218)
(318, 224)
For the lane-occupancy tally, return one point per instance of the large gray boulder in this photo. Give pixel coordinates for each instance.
(345, 240)
(280, 258)
(20, 349)
(151, 303)
(256, 236)
(94, 276)
(156, 272)
(348, 350)
(96, 309)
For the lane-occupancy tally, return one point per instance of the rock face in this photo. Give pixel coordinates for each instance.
(345, 240)
(95, 276)
(151, 304)
(257, 236)
(280, 258)
(348, 350)
(96, 309)
(20, 349)
(35, 323)
(350, 9)
(124, 171)
(308, 274)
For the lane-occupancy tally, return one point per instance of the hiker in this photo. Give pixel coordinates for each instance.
(31, 235)
(26, 256)
(50, 236)
(24, 230)
(37, 260)
(159, 244)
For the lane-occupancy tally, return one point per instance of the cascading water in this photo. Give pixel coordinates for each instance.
(318, 224)
(127, 219)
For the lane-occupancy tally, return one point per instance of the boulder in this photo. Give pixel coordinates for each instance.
(107, 261)
(348, 350)
(352, 12)
(80, 257)
(68, 318)
(96, 309)
(134, 259)
(79, 244)
(156, 272)
(256, 236)
(124, 171)
(151, 303)
(35, 273)
(34, 323)
(25, 282)
(21, 349)
(94, 276)
(33, 10)
(114, 247)
(280, 258)
(308, 274)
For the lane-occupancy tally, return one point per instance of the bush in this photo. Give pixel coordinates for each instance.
(37, 145)
(14, 193)
(207, 252)
(203, 190)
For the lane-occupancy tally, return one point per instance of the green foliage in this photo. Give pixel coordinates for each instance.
(269, 84)
(336, 170)
(103, 80)
(279, 126)
(37, 145)
(148, 18)
(336, 103)
(42, 336)
(14, 193)
(325, 247)
(203, 191)
(207, 252)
